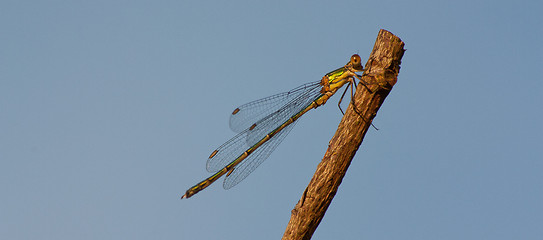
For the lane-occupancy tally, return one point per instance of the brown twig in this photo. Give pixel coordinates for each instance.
(381, 74)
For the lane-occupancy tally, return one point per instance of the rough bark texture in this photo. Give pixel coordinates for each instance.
(381, 74)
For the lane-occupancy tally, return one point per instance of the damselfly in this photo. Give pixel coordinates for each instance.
(264, 123)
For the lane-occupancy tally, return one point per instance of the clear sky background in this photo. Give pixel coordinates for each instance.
(109, 110)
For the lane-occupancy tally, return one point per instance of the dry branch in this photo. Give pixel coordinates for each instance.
(381, 74)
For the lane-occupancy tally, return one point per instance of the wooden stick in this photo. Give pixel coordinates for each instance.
(381, 74)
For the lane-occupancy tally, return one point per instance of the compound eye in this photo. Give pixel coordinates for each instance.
(355, 59)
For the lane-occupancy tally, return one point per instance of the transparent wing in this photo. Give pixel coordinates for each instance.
(247, 166)
(240, 143)
(269, 123)
(228, 152)
(245, 115)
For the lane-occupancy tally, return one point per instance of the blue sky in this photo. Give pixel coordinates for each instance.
(109, 110)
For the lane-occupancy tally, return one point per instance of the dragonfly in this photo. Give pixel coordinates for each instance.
(263, 124)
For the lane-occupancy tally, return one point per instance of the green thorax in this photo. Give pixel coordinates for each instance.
(334, 75)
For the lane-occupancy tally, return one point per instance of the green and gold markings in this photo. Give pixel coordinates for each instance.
(274, 117)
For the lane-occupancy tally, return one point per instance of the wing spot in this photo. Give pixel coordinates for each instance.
(213, 153)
